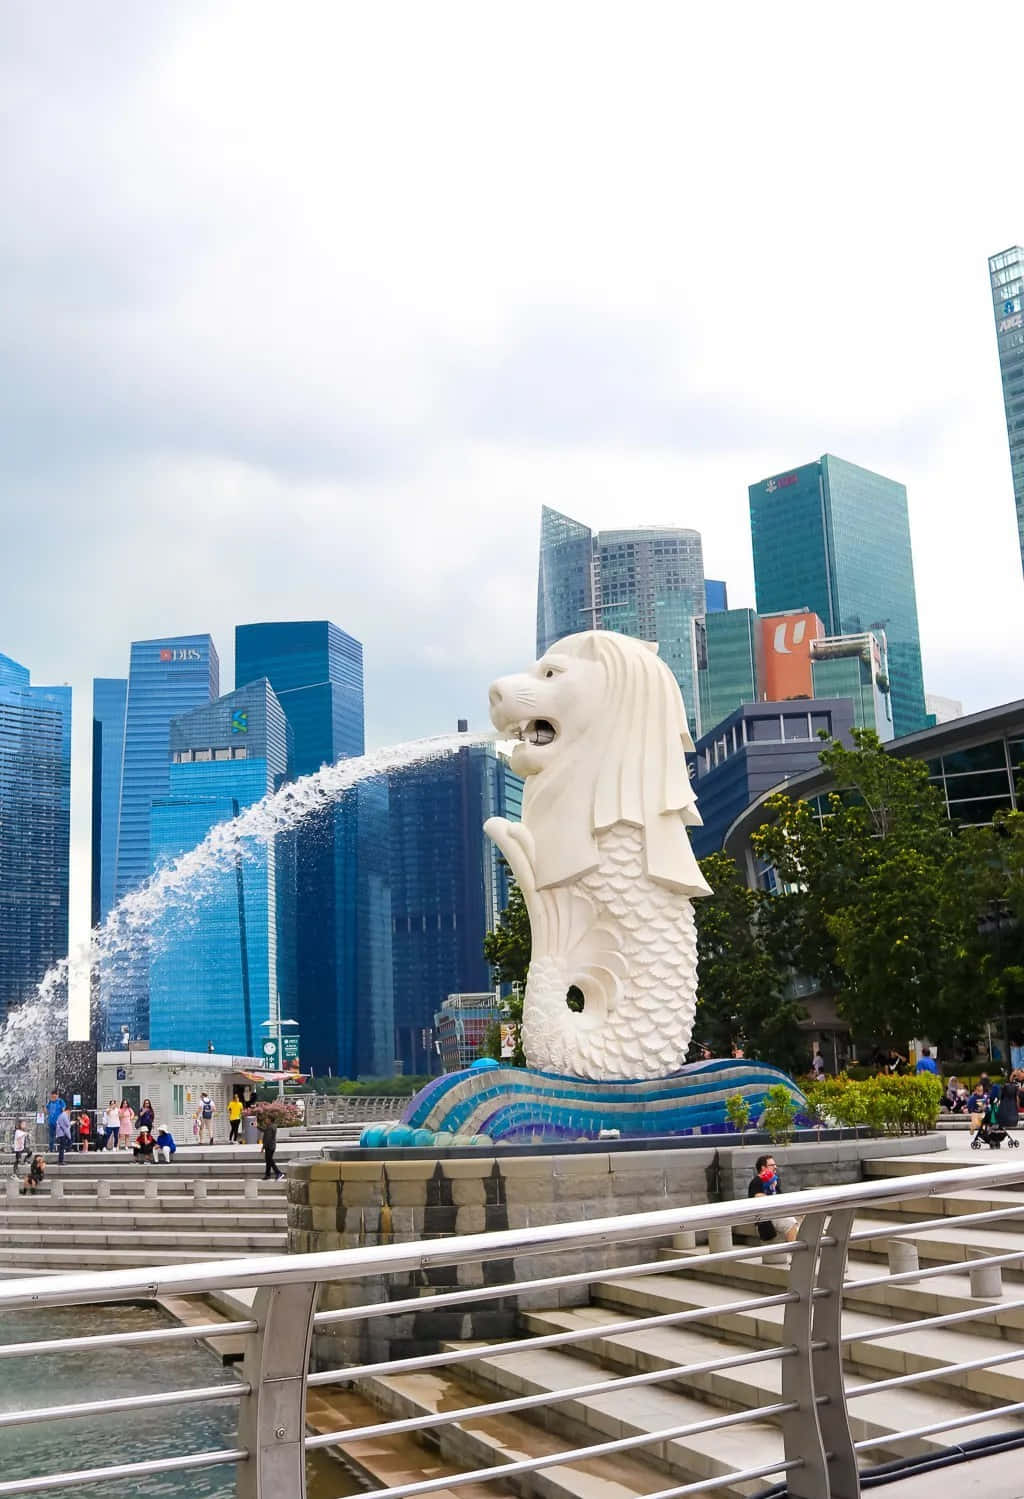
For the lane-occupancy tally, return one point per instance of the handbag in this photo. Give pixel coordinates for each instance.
(766, 1229)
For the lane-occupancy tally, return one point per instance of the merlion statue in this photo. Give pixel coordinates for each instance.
(602, 856)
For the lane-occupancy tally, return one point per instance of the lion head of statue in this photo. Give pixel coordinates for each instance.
(602, 734)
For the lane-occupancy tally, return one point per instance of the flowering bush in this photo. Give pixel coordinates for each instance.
(281, 1112)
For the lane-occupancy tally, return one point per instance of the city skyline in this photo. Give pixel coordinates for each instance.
(233, 395)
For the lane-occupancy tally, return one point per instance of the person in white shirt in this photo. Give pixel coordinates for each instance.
(21, 1144)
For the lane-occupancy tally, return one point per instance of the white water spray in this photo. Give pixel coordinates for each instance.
(32, 1028)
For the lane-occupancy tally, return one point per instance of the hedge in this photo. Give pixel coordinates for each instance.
(886, 1104)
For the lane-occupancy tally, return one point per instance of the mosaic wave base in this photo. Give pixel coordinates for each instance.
(516, 1105)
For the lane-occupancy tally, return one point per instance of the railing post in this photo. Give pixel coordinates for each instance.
(272, 1418)
(826, 1322)
(801, 1428)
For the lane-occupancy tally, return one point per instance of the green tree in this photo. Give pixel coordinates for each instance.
(743, 972)
(507, 949)
(873, 885)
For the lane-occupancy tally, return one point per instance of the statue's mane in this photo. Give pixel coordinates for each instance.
(632, 769)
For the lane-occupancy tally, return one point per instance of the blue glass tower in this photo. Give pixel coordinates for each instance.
(448, 886)
(35, 829)
(109, 696)
(344, 999)
(835, 538)
(166, 678)
(217, 978)
(716, 595)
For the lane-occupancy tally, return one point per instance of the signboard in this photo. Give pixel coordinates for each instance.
(122, 1073)
(786, 654)
(188, 654)
(290, 1048)
(271, 1061)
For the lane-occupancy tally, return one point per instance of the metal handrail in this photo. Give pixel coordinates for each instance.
(808, 1345)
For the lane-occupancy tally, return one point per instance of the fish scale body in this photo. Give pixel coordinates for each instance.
(633, 954)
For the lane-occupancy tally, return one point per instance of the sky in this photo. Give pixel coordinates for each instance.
(309, 308)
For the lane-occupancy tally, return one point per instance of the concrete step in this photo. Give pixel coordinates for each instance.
(904, 1353)
(42, 1260)
(713, 1455)
(215, 1245)
(42, 1222)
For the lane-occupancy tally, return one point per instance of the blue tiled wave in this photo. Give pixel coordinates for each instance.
(484, 1106)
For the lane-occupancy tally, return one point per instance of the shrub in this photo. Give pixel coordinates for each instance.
(888, 1105)
(737, 1111)
(779, 1112)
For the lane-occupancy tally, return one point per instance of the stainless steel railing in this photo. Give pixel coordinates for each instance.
(814, 1450)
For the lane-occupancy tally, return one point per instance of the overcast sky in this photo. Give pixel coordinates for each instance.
(309, 308)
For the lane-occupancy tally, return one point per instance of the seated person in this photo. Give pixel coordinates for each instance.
(977, 1104)
(165, 1146)
(766, 1183)
(34, 1180)
(144, 1145)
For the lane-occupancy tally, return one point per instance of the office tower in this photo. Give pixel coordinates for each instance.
(835, 539)
(215, 979)
(35, 830)
(647, 582)
(344, 1001)
(855, 667)
(316, 671)
(448, 886)
(1006, 276)
(942, 709)
(716, 596)
(109, 696)
(166, 678)
(727, 656)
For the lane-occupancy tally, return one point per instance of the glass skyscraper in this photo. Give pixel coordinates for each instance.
(166, 678)
(215, 977)
(35, 830)
(1006, 275)
(109, 696)
(835, 538)
(716, 595)
(648, 583)
(448, 886)
(344, 1000)
(727, 661)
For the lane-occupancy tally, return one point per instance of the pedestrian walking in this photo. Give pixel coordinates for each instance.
(205, 1114)
(234, 1118)
(111, 1125)
(126, 1119)
(269, 1146)
(62, 1135)
(54, 1109)
(21, 1145)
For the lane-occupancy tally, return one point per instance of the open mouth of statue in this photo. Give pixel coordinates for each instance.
(536, 731)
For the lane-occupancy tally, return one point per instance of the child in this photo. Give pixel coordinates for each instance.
(21, 1145)
(144, 1143)
(165, 1146)
(36, 1172)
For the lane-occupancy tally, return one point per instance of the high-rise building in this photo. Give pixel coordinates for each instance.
(109, 696)
(727, 656)
(35, 829)
(166, 678)
(716, 596)
(855, 667)
(344, 1001)
(835, 539)
(215, 980)
(648, 583)
(1006, 275)
(448, 886)
(317, 672)
(942, 709)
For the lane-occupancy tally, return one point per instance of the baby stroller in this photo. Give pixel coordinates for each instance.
(991, 1133)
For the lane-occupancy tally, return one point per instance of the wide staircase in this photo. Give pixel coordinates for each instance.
(107, 1212)
(891, 1420)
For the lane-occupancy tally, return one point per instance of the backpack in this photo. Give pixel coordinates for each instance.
(207, 1110)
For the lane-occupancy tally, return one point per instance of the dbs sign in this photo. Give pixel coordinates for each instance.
(786, 654)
